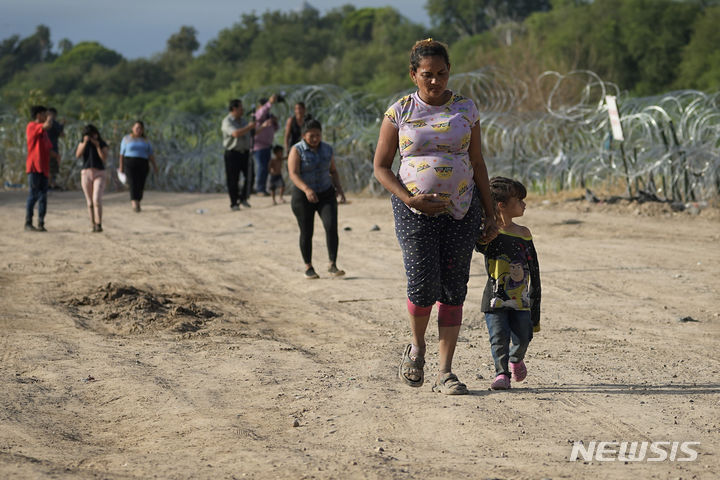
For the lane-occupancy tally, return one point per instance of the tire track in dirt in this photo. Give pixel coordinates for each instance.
(325, 354)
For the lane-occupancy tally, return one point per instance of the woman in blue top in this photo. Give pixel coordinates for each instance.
(311, 166)
(136, 155)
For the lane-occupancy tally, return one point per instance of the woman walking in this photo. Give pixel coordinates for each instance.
(136, 155)
(94, 152)
(294, 124)
(311, 166)
(436, 199)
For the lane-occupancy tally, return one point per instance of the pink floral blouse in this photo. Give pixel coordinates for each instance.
(433, 142)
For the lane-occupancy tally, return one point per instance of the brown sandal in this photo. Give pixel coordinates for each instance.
(408, 365)
(449, 384)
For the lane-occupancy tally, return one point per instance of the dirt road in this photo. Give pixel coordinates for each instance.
(184, 342)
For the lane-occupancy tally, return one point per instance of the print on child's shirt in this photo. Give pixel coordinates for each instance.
(511, 286)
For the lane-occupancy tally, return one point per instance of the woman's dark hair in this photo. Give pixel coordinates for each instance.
(427, 48)
(142, 125)
(311, 124)
(502, 189)
(91, 129)
(300, 104)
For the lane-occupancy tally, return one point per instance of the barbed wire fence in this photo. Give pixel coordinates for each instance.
(671, 150)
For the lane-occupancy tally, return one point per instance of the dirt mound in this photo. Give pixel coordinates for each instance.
(123, 309)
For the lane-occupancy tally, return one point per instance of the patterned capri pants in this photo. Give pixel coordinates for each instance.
(437, 252)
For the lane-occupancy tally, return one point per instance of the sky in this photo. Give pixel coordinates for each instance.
(140, 28)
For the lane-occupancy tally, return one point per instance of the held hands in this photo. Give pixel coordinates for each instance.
(490, 230)
(429, 203)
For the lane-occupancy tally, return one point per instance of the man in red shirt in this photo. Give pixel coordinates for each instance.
(38, 165)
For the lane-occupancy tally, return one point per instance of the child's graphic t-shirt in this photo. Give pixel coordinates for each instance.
(433, 143)
(513, 275)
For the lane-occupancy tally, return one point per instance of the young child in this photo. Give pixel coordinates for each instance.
(276, 180)
(511, 300)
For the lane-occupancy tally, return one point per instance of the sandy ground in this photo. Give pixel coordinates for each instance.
(180, 344)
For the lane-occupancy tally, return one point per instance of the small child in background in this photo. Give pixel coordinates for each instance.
(276, 180)
(511, 300)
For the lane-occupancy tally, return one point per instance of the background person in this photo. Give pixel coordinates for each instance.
(236, 142)
(293, 126)
(136, 155)
(311, 166)
(94, 152)
(435, 204)
(265, 128)
(37, 166)
(276, 182)
(55, 131)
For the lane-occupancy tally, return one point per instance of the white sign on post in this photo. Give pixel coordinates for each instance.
(617, 132)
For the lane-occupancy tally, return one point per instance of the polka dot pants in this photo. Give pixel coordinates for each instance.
(437, 252)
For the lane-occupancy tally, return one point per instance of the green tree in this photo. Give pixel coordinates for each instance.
(233, 44)
(89, 53)
(65, 45)
(17, 54)
(460, 18)
(654, 33)
(184, 41)
(358, 25)
(8, 60)
(7, 46)
(35, 48)
(635, 43)
(134, 77)
(700, 66)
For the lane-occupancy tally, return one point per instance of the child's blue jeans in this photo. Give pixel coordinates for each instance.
(504, 326)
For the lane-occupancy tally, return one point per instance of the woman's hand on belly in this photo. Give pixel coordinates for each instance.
(429, 203)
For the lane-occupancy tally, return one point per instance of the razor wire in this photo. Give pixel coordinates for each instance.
(670, 152)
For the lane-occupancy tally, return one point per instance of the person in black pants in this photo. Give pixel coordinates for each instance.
(54, 133)
(236, 142)
(136, 155)
(293, 125)
(38, 165)
(317, 187)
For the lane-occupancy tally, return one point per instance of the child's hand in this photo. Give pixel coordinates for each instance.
(490, 231)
